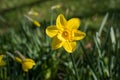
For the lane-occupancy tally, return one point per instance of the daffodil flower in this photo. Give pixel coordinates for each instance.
(65, 33)
(2, 63)
(26, 63)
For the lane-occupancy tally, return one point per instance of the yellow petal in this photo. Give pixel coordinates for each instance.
(29, 61)
(1, 56)
(61, 21)
(73, 23)
(56, 43)
(2, 62)
(78, 35)
(51, 31)
(60, 37)
(69, 46)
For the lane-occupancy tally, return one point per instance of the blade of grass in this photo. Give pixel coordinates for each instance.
(103, 24)
(74, 66)
(90, 63)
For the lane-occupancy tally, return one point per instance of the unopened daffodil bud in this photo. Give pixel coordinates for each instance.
(36, 23)
(33, 12)
(56, 6)
(17, 59)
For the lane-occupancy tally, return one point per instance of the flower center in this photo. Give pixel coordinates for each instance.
(66, 35)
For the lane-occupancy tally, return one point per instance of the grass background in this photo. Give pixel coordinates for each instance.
(96, 57)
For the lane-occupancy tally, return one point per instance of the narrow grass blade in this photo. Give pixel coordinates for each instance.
(103, 24)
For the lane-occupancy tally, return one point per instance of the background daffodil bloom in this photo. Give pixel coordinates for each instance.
(65, 33)
(2, 63)
(26, 63)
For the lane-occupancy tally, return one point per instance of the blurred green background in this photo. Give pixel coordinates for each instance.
(12, 11)
(96, 56)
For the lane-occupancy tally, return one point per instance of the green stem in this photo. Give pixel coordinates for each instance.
(51, 17)
(74, 66)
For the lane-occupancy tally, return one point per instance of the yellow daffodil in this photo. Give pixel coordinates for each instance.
(65, 33)
(2, 63)
(26, 63)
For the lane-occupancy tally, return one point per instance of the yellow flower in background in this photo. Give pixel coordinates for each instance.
(26, 63)
(65, 33)
(2, 63)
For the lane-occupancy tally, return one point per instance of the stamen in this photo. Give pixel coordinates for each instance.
(65, 35)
